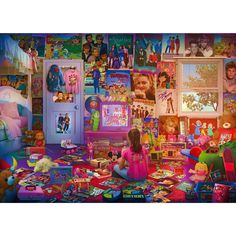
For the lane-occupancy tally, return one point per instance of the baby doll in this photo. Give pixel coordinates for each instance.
(200, 172)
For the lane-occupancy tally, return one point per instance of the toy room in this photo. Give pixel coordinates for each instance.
(117, 117)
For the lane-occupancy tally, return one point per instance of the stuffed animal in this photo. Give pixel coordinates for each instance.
(95, 119)
(29, 137)
(226, 131)
(7, 186)
(44, 164)
(39, 139)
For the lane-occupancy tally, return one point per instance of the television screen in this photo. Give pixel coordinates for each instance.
(114, 116)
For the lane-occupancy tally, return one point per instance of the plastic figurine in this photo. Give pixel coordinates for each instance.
(95, 119)
(90, 147)
(200, 172)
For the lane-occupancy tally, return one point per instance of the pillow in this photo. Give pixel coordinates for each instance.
(10, 109)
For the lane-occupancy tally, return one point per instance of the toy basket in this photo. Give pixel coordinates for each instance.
(204, 191)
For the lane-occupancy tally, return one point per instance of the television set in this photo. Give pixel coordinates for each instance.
(114, 116)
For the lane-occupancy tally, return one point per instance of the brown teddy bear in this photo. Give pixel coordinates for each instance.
(28, 137)
(7, 185)
(39, 139)
(226, 131)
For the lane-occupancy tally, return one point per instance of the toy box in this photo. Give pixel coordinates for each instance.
(35, 150)
(30, 193)
(99, 163)
(204, 191)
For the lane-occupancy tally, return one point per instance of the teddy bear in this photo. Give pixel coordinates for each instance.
(44, 164)
(39, 139)
(226, 131)
(28, 137)
(7, 186)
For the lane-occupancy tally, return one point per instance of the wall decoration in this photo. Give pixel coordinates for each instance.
(143, 109)
(224, 45)
(143, 85)
(166, 75)
(120, 51)
(168, 125)
(95, 48)
(230, 103)
(230, 75)
(37, 105)
(201, 126)
(27, 41)
(150, 126)
(37, 86)
(63, 123)
(37, 122)
(172, 45)
(199, 45)
(148, 49)
(166, 102)
(63, 46)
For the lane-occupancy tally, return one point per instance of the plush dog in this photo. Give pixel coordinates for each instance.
(7, 186)
(44, 164)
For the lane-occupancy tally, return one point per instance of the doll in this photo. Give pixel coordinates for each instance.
(200, 172)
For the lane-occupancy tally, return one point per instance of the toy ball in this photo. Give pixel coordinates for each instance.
(7, 162)
(195, 151)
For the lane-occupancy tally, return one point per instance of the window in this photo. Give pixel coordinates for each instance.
(200, 87)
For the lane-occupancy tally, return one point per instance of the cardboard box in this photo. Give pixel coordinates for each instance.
(33, 150)
(99, 162)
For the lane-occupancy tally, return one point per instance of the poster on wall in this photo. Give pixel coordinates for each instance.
(37, 86)
(18, 82)
(63, 123)
(37, 122)
(166, 102)
(229, 103)
(201, 126)
(230, 75)
(120, 51)
(172, 46)
(37, 105)
(27, 41)
(63, 46)
(150, 126)
(224, 45)
(168, 125)
(95, 48)
(94, 79)
(118, 85)
(199, 45)
(143, 109)
(143, 85)
(166, 75)
(148, 49)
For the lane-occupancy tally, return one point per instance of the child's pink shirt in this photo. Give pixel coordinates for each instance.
(138, 163)
(72, 79)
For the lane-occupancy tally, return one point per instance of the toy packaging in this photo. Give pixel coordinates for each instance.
(30, 193)
(60, 174)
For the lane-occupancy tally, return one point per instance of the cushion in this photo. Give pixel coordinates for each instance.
(10, 109)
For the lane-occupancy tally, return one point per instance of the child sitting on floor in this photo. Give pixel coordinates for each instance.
(136, 158)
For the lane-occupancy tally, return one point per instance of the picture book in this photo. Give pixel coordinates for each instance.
(113, 182)
(166, 75)
(63, 46)
(173, 45)
(166, 102)
(160, 174)
(120, 51)
(38, 180)
(70, 160)
(148, 49)
(60, 174)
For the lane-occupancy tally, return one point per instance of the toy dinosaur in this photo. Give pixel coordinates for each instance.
(95, 119)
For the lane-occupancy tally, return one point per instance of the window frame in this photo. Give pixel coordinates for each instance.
(180, 89)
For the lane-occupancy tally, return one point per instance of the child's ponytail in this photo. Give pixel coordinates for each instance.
(134, 137)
